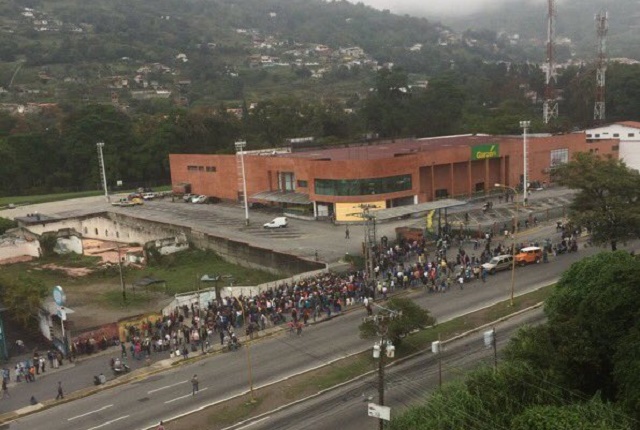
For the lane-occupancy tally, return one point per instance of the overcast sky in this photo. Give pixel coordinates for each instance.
(433, 7)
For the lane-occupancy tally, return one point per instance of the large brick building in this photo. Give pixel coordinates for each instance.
(323, 182)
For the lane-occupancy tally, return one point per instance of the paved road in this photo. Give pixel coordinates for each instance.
(405, 384)
(142, 404)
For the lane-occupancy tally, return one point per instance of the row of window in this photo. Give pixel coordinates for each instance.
(201, 168)
(362, 187)
(597, 135)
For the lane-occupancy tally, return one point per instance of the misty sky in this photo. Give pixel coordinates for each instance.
(433, 7)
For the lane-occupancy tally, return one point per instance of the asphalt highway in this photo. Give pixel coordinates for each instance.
(405, 384)
(142, 404)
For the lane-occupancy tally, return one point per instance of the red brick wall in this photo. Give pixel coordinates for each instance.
(262, 171)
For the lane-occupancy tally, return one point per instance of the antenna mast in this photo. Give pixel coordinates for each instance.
(550, 107)
(602, 26)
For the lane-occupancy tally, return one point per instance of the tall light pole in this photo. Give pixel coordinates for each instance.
(240, 148)
(103, 174)
(513, 245)
(525, 126)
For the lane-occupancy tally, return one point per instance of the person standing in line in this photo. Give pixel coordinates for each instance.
(5, 389)
(194, 385)
(60, 395)
(346, 232)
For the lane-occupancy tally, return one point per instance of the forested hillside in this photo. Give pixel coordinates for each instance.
(574, 20)
(150, 78)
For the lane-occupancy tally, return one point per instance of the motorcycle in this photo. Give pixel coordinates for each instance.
(119, 367)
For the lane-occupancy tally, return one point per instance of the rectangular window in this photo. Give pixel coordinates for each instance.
(362, 187)
(286, 181)
(211, 168)
(616, 134)
(559, 156)
(597, 135)
(192, 168)
(201, 168)
(303, 184)
(588, 135)
(631, 135)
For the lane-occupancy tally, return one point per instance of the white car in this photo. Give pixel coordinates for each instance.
(149, 196)
(199, 199)
(279, 222)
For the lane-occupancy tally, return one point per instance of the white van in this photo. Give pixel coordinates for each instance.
(279, 222)
(499, 262)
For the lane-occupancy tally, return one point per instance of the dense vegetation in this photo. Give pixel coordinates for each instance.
(579, 370)
(56, 150)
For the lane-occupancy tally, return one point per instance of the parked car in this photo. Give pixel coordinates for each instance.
(123, 203)
(187, 197)
(149, 196)
(497, 263)
(199, 199)
(279, 222)
(528, 255)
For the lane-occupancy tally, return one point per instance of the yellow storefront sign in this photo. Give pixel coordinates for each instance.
(346, 212)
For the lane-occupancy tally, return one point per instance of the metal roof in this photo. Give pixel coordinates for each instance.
(283, 197)
(400, 211)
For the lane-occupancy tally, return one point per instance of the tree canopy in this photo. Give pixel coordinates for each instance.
(608, 199)
(412, 317)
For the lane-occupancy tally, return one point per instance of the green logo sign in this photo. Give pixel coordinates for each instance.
(480, 152)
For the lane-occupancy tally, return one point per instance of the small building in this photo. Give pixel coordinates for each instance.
(628, 132)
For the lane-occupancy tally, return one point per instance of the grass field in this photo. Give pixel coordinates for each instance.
(181, 273)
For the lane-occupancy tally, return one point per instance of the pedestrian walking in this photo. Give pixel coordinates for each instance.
(60, 395)
(346, 232)
(5, 389)
(160, 426)
(194, 385)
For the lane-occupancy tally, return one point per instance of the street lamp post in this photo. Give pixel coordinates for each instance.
(525, 126)
(240, 145)
(103, 174)
(513, 245)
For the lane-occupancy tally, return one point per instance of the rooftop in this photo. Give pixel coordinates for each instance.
(396, 148)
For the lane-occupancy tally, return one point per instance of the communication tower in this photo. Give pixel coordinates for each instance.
(550, 106)
(602, 26)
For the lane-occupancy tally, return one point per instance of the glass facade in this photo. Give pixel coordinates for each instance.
(362, 187)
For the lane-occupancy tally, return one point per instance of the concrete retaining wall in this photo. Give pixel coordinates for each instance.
(129, 229)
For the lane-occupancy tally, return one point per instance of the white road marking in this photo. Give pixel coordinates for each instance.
(168, 386)
(254, 423)
(89, 413)
(109, 422)
(182, 397)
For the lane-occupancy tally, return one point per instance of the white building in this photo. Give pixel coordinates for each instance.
(629, 134)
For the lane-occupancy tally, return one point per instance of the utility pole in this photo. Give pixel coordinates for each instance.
(124, 293)
(103, 174)
(382, 349)
(602, 25)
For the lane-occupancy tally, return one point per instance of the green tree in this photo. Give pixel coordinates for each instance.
(23, 299)
(6, 224)
(412, 317)
(608, 199)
